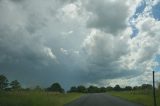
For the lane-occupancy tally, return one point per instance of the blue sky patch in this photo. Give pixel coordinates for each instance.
(156, 11)
(139, 10)
(157, 59)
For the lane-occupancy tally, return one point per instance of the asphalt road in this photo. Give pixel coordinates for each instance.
(100, 99)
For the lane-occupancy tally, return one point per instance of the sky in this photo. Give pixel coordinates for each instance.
(80, 42)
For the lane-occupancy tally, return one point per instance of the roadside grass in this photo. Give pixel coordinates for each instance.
(23, 98)
(142, 97)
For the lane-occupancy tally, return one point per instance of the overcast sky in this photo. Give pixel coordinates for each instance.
(73, 42)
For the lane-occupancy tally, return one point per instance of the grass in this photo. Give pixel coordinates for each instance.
(141, 97)
(33, 98)
(36, 98)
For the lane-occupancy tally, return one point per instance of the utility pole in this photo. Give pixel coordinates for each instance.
(154, 94)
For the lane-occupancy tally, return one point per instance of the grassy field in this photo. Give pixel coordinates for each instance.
(141, 97)
(36, 98)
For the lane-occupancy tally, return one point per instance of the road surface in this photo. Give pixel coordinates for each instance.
(100, 99)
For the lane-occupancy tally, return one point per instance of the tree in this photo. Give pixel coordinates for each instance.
(38, 88)
(15, 85)
(146, 86)
(136, 88)
(128, 88)
(73, 89)
(81, 89)
(3, 82)
(93, 89)
(102, 89)
(109, 88)
(56, 87)
(117, 88)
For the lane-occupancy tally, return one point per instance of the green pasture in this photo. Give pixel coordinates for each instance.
(144, 97)
(21, 98)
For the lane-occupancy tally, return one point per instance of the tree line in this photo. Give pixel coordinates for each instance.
(15, 85)
(5, 85)
(95, 89)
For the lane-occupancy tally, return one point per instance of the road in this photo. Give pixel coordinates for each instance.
(100, 99)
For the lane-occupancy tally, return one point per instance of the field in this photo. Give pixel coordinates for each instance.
(141, 97)
(36, 98)
(41, 98)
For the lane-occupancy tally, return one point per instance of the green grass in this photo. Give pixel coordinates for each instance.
(36, 98)
(141, 97)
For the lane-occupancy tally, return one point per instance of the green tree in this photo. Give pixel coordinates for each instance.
(109, 88)
(146, 86)
(55, 87)
(136, 88)
(15, 85)
(128, 88)
(81, 89)
(38, 88)
(117, 88)
(73, 89)
(3, 82)
(93, 89)
(102, 89)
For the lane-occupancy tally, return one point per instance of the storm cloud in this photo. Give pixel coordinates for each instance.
(76, 42)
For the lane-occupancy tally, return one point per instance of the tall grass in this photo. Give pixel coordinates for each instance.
(22, 98)
(144, 97)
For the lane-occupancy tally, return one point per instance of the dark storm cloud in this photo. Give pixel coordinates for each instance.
(68, 41)
(30, 41)
(31, 38)
(17, 0)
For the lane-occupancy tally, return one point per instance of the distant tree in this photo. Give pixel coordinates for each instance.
(102, 89)
(109, 88)
(26, 89)
(117, 88)
(73, 89)
(146, 86)
(93, 89)
(38, 88)
(81, 89)
(15, 85)
(55, 87)
(136, 88)
(3, 82)
(128, 88)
